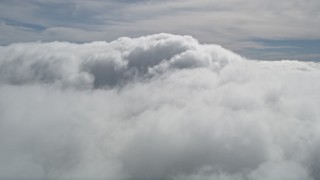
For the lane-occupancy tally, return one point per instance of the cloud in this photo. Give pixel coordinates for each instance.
(106, 64)
(159, 106)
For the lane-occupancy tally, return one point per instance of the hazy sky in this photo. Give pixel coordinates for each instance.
(273, 29)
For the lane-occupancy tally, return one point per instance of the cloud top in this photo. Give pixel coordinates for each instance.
(101, 64)
(159, 106)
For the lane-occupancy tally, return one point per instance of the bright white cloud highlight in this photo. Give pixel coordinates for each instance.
(160, 106)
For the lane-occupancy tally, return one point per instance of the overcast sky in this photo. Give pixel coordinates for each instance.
(273, 29)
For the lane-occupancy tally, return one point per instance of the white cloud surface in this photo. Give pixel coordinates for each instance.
(160, 106)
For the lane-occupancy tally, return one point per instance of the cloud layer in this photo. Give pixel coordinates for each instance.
(160, 106)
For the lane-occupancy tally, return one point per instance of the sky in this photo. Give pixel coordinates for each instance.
(256, 29)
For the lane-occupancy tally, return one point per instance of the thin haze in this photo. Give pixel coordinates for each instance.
(271, 30)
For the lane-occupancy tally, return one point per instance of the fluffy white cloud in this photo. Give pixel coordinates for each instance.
(159, 106)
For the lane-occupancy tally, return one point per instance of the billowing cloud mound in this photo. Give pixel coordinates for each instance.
(102, 64)
(160, 106)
